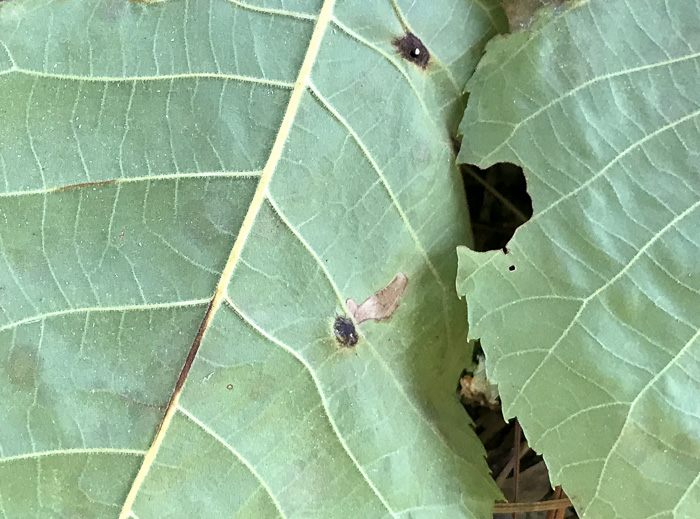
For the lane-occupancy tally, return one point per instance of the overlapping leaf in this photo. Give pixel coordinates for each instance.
(282, 157)
(590, 320)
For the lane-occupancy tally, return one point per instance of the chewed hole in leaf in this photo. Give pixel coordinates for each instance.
(498, 203)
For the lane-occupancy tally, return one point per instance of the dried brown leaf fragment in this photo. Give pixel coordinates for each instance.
(381, 305)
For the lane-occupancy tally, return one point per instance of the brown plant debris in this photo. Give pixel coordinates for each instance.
(381, 305)
(476, 389)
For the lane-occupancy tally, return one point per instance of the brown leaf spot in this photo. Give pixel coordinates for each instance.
(381, 305)
(412, 49)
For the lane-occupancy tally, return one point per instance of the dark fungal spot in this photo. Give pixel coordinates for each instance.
(511, 268)
(412, 49)
(345, 332)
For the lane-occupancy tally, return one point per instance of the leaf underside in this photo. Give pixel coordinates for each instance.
(282, 158)
(590, 321)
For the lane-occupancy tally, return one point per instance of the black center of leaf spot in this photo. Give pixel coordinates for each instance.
(412, 49)
(345, 332)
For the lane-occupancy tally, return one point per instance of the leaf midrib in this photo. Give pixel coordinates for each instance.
(261, 194)
(259, 197)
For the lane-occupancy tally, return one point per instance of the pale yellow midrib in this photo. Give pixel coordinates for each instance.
(255, 205)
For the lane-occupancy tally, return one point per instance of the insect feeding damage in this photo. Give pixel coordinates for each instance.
(381, 305)
(412, 49)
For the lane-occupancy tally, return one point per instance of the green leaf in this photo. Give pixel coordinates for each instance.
(590, 321)
(204, 184)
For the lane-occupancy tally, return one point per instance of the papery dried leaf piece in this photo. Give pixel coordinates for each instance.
(381, 305)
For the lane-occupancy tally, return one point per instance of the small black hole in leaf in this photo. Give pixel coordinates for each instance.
(511, 268)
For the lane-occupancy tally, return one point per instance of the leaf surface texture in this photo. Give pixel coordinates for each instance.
(227, 174)
(590, 320)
